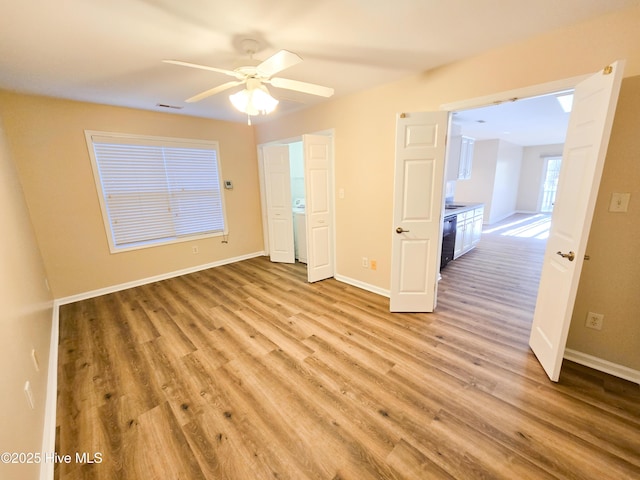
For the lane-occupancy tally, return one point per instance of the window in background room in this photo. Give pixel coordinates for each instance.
(550, 184)
(156, 190)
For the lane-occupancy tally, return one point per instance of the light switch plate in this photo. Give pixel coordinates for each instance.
(619, 202)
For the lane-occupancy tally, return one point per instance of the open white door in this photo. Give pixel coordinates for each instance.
(417, 209)
(277, 181)
(318, 188)
(594, 105)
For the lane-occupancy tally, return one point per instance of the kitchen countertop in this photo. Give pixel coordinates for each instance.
(461, 208)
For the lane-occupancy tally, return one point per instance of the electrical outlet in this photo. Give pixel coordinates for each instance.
(374, 264)
(365, 262)
(594, 320)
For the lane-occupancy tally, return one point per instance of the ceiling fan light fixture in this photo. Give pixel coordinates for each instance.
(254, 101)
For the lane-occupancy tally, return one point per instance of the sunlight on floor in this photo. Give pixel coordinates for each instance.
(535, 226)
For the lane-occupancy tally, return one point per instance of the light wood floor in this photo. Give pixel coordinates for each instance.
(247, 372)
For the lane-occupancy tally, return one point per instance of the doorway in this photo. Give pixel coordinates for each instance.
(583, 160)
(516, 156)
(296, 188)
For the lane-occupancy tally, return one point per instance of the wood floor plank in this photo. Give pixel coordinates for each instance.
(246, 371)
(341, 456)
(163, 451)
(415, 464)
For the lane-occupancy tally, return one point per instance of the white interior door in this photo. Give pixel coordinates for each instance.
(585, 148)
(278, 198)
(417, 209)
(319, 210)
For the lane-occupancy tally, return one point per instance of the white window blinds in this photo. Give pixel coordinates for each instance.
(157, 190)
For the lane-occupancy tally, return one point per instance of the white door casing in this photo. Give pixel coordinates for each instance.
(417, 210)
(582, 162)
(278, 198)
(319, 209)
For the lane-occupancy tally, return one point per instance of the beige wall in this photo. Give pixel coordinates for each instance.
(47, 137)
(479, 188)
(531, 174)
(495, 178)
(25, 323)
(365, 126)
(507, 180)
(610, 281)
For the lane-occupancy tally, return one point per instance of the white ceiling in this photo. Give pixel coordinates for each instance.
(530, 121)
(110, 51)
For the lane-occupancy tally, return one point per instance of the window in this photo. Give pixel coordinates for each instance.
(550, 184)
(156, 190)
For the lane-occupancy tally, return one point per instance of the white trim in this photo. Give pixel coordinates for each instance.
(601, 365)
(49, 428)
(51, 401)
(92, 137)
(330, 132)
(365, 286)
(156, 278)
(542, 89)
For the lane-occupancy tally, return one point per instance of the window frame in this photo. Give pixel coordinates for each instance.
(543, 180)
(134, 139)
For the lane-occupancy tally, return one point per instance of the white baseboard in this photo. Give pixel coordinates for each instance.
(601, 365)
(49, 433)
(51, 401)
(365, 286)
(156, 278)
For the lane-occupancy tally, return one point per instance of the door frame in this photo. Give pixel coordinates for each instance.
(263, 205)
(538, 90)
(549, 88)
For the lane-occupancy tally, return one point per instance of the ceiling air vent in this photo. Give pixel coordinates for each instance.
(164, 105)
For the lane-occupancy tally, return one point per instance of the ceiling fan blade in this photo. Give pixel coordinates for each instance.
(302, 87)
(277, 62)
(231, 73)
(213, 91)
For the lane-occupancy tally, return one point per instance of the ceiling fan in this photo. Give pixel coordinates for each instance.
(254, 75)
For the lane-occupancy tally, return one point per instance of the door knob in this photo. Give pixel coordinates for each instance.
(401, 230)
(569, 256)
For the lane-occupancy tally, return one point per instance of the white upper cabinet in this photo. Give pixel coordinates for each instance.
(459, 154)
(466, 158)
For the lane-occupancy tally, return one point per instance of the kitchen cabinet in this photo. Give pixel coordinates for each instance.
(454, 146)
(460, 156)
(465, 158)
(478, 218)
(468, 230)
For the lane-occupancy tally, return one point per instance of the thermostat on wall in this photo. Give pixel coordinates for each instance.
(228, 185)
